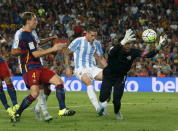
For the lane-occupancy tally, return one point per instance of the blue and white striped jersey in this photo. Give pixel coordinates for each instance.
(84, 52)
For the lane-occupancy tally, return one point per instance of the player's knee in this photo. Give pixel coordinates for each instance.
(35, 94)
(58, 82)
(102, 98)
(8, 81)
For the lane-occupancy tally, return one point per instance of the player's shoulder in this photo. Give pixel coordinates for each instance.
(79, 38)
(25, 35)
(34, 32)
(97, 42)
(18, 32)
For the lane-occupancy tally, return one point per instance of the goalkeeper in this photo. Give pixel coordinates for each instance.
(120, 59)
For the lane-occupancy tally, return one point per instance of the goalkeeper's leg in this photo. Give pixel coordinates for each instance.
(105, 92)
(117, 95)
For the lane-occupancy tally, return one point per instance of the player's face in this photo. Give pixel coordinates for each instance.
(91, 36)
(33, 22)
(126, 47)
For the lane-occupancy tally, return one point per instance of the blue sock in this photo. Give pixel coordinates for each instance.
(3, 98)
(25, 103)
(12, 93)
(60, 94)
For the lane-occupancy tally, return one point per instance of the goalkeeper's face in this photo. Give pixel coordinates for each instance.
(126, 47)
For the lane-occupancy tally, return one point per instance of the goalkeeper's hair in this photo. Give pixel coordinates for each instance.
(26, 16)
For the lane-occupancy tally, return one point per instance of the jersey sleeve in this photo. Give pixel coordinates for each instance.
(36, 37)
(139, 53)
(99, 50)
(31, 46)
(15, 44)
(114, 49)
(74, 44)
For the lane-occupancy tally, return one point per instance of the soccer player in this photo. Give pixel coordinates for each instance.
(5, 76)
(41, 104)
(120, 59)
(86, 50)
(34, 74)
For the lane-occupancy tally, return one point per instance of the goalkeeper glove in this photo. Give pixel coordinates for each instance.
(129, 36)
(162, 42)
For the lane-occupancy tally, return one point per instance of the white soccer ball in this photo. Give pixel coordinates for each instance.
(149, 36)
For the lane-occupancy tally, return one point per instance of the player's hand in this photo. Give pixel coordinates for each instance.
(162, 41)
(2, 40)
(129, 36)
(57, 47)
(68, 71)
(53, 37)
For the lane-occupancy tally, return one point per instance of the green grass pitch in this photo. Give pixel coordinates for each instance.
(142, 112)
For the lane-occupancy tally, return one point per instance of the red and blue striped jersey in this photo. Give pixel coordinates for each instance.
(28, 44)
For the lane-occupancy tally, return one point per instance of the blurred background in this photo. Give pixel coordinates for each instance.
(68, 19)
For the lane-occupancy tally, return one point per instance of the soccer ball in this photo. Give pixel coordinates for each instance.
(149, 36)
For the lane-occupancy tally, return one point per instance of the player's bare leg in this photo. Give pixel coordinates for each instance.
(60, 94)
(91, 93)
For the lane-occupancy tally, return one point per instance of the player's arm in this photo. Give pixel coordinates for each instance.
(149, 54)
(40, 53)
(99, 55)
(2, 40)
(102, 61)
(129, 37)
(15, 52)
(152, 53)
(71, 49)
(67, 53)
(43, 41)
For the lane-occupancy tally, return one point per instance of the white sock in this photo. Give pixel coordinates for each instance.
(104, 104)
(42, 102)
(37, 106)
(92, 96)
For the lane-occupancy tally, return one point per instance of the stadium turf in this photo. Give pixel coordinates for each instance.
(142, 112)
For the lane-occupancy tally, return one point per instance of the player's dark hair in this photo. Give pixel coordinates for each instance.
(26, 16)
(91, 28)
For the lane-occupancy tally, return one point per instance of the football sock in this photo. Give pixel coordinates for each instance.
(25, 103)
(3, 98)
(12, 93)
(42, 102)
(104, 104)
(60, 94)
(92, 96)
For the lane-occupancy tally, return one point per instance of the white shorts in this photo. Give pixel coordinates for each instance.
(92, 72)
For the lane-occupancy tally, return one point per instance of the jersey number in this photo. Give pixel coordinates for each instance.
(33, 75)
